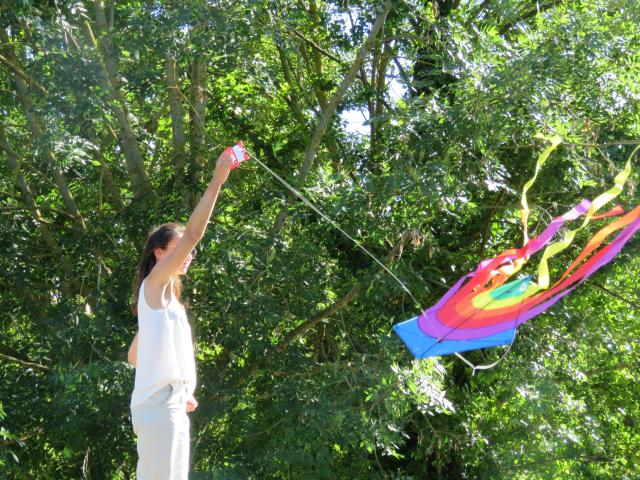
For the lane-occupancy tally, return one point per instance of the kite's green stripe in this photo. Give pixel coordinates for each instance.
(511, 290)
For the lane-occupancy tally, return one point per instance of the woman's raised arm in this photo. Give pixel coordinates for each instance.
(196, 226)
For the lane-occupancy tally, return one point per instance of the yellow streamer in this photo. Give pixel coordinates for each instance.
(524, 213)
(555, 248)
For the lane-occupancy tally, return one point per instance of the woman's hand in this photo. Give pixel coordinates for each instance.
(223, 167)
(192, 404)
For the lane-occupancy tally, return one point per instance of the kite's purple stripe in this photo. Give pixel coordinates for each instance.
(540, 241)
(440, 330)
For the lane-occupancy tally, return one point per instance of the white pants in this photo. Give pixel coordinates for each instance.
(162, 427)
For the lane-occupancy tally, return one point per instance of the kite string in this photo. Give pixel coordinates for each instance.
(525, 211)
(307, 202)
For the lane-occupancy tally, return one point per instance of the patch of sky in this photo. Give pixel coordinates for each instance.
(355, 119)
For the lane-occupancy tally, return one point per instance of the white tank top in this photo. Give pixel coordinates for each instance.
(165, 348)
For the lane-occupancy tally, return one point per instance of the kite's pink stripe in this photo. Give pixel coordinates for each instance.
(486, 266)
(603, 257)
(590, 266)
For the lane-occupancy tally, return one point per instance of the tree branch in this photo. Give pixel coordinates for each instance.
(24, 438)
(26, 363)
(18, 71)
(29, 200)
(342, 302)
(299, 331)
(504, 29)
(327, 115)
(319, 48)
(177, 115)
(131, 149)
(197, 109)
(35, 128)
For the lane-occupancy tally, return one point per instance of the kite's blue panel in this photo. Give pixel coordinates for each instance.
(423, 345)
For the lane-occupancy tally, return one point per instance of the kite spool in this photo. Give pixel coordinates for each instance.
(238, 154)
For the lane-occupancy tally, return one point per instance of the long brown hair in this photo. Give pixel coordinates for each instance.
(159, 237)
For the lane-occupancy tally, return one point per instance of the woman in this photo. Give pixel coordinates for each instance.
(162, 350)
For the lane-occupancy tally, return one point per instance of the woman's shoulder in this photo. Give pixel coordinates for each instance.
(152, 295)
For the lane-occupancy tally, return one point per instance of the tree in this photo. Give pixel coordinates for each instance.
(113, 116)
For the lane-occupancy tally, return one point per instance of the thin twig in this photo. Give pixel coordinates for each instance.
(615, 295)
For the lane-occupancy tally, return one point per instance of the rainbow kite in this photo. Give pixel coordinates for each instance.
(483, 309)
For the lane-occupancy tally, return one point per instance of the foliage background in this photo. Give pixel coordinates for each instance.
(113, 114)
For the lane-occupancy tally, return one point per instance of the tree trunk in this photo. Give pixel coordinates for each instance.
(197, 112)
(379, 81)
(428, 67)
(133, 156)
(321, 128)
(177, 115)
(327, 114)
